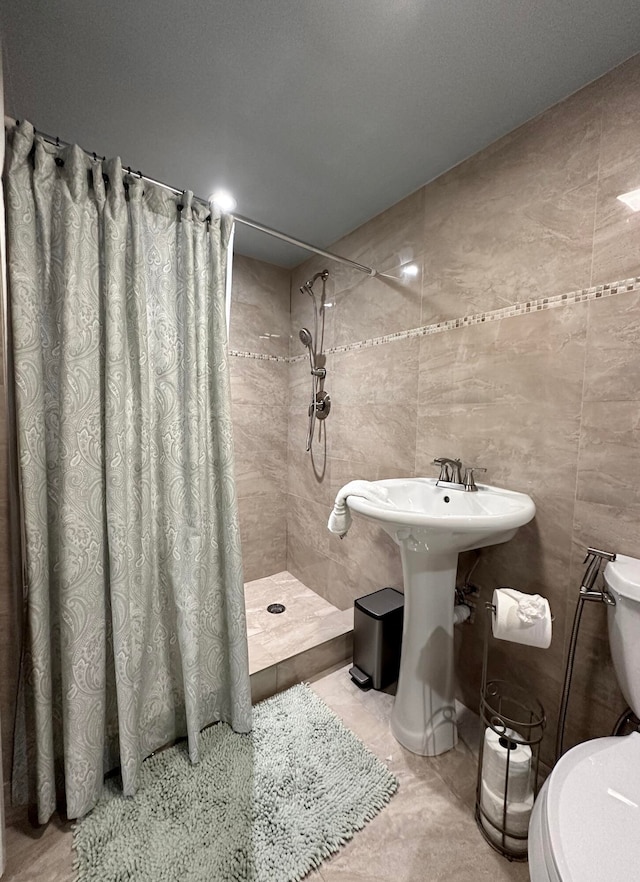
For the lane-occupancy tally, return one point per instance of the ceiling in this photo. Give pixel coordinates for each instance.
(316, 114)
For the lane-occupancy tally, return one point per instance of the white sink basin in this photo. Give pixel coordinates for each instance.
(437, 518)
(432, 525)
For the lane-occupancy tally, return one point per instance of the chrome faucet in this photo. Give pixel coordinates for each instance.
(451, 474)
(449, 470)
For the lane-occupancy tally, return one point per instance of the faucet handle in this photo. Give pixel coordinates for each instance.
(449, 469)
(469, 480)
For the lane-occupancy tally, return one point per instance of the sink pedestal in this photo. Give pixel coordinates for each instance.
(423, 718)
(432, 525)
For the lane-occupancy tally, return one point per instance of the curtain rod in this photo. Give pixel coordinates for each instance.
(246, 221)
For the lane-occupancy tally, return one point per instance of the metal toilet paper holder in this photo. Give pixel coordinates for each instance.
(518, 719)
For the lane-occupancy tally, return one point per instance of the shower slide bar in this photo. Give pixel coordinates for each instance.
(246, 221)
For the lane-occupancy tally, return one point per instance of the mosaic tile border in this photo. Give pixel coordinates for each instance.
(554, 302)
(558, 300)
(237, 353)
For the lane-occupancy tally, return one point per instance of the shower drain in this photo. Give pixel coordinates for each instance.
(276, 608)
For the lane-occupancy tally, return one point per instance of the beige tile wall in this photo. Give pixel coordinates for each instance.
(260, 326)
(547, 401)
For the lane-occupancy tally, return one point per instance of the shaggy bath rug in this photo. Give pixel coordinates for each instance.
(264, 807)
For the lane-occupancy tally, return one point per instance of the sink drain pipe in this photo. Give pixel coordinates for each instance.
(461, 612)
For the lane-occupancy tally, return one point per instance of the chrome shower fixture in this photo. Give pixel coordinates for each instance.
(320, 403)
(308, 285)
(307, 339)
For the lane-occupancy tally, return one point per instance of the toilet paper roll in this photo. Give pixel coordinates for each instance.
(517, 819)
(516, 781)
(506, 624)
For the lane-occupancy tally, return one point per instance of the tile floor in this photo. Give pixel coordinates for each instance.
(289, 647)
(427, 832)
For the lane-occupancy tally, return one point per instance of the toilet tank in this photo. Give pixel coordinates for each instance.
(622, 577)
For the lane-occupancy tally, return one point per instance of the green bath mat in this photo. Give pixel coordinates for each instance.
(264, 807)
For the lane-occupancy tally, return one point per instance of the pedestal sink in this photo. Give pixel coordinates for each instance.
(432, 525)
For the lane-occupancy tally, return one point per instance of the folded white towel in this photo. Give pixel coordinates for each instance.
(340, 517)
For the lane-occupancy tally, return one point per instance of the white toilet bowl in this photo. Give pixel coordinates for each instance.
(585, 824)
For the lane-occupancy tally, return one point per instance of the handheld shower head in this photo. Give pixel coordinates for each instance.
(305, 337)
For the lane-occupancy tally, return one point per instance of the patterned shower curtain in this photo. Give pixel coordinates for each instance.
(135, 622)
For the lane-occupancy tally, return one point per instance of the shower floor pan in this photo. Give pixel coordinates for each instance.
(309, 638)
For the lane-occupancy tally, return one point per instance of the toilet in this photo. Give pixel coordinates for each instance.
(585, 824)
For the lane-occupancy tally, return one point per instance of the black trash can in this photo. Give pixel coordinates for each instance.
(377, 638)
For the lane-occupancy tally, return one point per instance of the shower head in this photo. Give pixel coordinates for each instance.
(308, 285)
(305, 336)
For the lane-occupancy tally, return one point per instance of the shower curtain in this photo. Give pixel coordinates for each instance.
(135, 622)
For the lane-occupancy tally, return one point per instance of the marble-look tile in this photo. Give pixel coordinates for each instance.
(407, 840)
(346, 582)
(536, 561)
(257, 382)
(309, 476)
(307, 634)
(516, 221)
(323, 434)
(377, 375)
(387, 242)
(617, 92)
(43, 853)
(617, 228)
(609, 453)
(376, 306)
(344, 470)
(612, 358)
(255, 328)
(259, 307)
(594, 676)
(260, 655)
(303, 561)
(309, 518)
(512, 441)
(263, 683)
(301, 604)
(298, 668)
(587, 718)
(532, 360)
(382, 434)
(299, 384)
(260, 447)
(610, 527)
(366, 556)
(263, 532)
